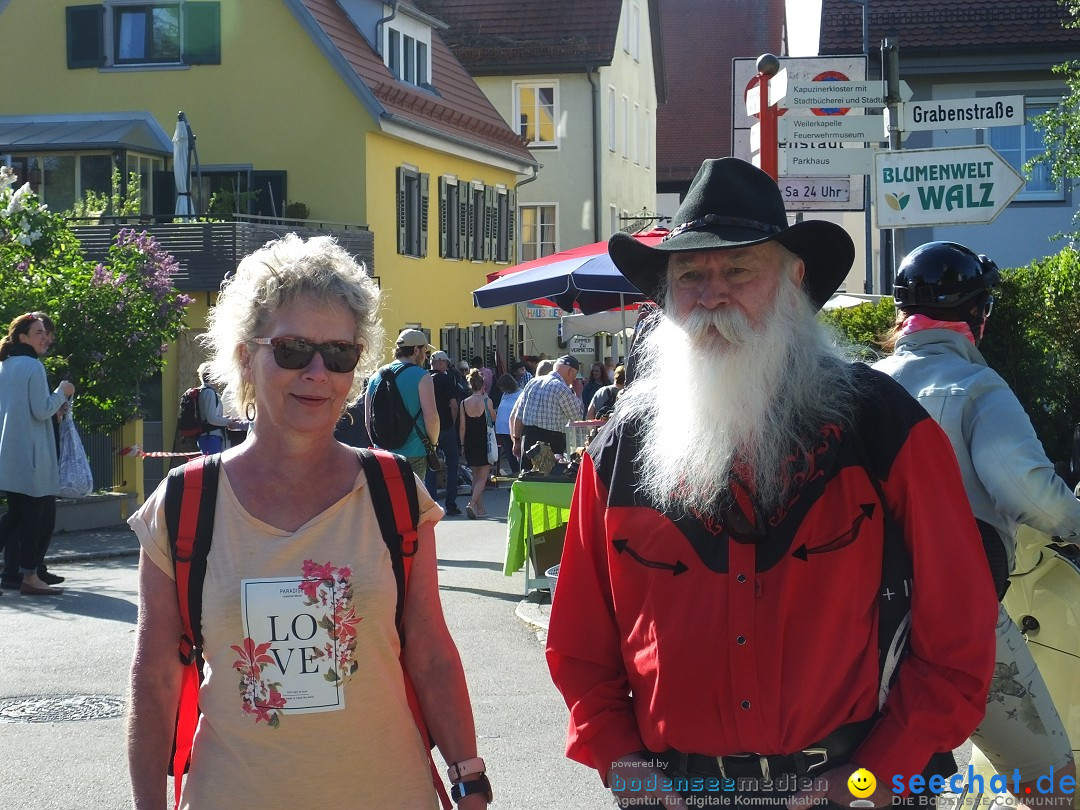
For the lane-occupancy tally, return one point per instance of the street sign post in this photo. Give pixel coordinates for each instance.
(949, 186)
(958, 113)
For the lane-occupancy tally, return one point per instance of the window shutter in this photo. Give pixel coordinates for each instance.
(202, 33)
(490, 216)
(402, 211)
(444, 237)
(463, 221)
(85, 36)
(511, 230)
(468, 223)
(424, 178)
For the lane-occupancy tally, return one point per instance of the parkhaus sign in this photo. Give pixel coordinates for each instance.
(949, 186)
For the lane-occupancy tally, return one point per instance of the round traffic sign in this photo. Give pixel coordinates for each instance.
(830, 76)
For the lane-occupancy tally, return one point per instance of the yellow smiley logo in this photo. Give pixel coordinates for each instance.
(861, 783)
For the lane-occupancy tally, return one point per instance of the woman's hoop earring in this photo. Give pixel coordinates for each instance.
(249, 411)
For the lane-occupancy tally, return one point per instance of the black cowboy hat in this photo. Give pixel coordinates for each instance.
(730, 204)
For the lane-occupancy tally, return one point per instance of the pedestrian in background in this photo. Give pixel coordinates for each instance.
(486, 373)
(476, 414)
(597, 379)
(29, 472)
(510, 393)
(447, 402)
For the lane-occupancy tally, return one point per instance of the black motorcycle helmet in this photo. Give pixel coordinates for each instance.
(942, 275)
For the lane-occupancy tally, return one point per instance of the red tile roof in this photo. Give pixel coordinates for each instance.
(459, 109)
(701, 37)
(495, 36)
(957, 24)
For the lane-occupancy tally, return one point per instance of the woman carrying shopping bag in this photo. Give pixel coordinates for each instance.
(29, 473)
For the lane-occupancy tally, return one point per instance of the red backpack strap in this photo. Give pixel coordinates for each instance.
(190, 497)
(397, 508)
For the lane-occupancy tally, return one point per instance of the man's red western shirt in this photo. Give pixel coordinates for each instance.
(673, 631)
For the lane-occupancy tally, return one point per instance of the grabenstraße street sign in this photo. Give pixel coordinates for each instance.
(960, 113)
(957, 185)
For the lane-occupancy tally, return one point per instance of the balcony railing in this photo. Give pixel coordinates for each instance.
(208, 251)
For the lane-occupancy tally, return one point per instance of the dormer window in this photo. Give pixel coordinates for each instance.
(407, 50)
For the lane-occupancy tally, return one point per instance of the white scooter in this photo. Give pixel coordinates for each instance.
(1044, 601)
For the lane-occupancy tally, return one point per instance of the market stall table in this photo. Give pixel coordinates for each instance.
(537, 505)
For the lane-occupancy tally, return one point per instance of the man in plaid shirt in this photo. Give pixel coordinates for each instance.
(545, 406)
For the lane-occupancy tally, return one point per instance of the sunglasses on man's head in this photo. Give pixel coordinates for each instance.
(339, 356)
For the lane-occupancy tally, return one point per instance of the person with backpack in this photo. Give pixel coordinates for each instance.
(211, 415)
(326, 664)
(401, 413)
(944, 294)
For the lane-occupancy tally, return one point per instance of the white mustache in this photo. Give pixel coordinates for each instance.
(730, 323)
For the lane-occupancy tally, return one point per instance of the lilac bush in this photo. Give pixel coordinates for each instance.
(114, 319)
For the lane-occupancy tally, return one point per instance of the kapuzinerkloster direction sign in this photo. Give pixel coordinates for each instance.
(949, 186)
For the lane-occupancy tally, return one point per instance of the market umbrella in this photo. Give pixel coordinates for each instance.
(183, 145)
(584, 277)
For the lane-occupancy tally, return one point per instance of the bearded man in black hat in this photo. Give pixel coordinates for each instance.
(755, 596)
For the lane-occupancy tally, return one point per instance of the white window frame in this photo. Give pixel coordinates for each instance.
(625, 127)
(626, 26)
(536, 86)
(635, 30)
(637, 133)
(538, 245)
(1029, 150)
(418, 70)
(648, 139)
(612, 141)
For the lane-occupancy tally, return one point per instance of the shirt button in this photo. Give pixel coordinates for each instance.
(741, 639)
(741, 577)
(745, 704)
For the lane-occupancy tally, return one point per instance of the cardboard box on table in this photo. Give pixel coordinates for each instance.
(545, 549)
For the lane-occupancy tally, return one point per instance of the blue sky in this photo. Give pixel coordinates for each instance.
(804, 18)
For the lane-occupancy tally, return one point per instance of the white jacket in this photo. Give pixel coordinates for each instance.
(27, 443)
(1008, 478)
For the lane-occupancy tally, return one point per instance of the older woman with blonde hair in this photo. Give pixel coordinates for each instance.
(292, 334)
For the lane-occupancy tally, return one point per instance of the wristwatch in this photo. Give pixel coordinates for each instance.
(467, 767)
(459, 790)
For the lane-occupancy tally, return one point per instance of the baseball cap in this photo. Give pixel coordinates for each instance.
(569, 360)
(413, 337)
(440, 356)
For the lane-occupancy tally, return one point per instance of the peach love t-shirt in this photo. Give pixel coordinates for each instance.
(302, 698)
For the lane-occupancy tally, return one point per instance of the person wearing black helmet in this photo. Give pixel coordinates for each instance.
(944, 296)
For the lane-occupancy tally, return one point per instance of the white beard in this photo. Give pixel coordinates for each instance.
(703, 397)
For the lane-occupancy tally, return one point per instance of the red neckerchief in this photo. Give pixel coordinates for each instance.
(917, 323)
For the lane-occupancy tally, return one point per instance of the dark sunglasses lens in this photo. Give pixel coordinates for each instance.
(291, 353)
(341, 358)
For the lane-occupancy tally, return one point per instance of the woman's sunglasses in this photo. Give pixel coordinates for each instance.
(339, 356)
